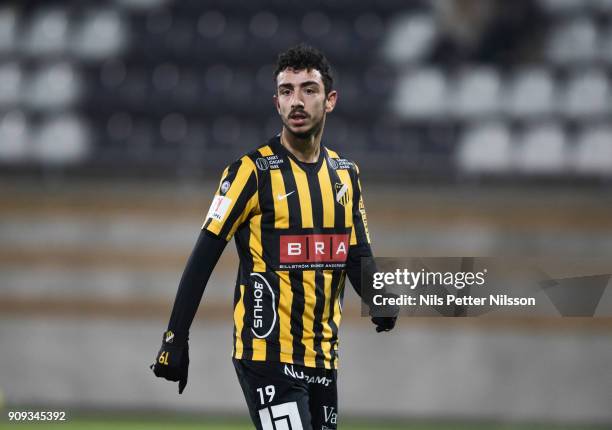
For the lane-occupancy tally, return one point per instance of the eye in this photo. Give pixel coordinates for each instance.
(285, 91)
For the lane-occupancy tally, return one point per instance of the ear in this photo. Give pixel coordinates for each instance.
(330, 101)
(276, 103)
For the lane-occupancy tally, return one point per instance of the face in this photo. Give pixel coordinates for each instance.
(301, 101)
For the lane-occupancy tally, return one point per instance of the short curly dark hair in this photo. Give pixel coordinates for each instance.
(305, 57)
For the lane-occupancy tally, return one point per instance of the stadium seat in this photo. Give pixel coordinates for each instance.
(62, 139)
(587, 95)
(316, 24)
(53, 86)
(133, 88)
(47, 33)
(409, 38)
(542, 150)
(172, 88)
(486, 148)
(369, 26)
(11, 78)
(476, 93)
(151, 29)
(142, 138)
(174, 127)
(197, 135)
(211, 24)
(593, 153)
(341, 43)
(530, 93)
(573, 42)
(241, 95)
(119, 127)
(422, 95)
(216, 81)
(287, 34)
(228, 131)
(179, 43)
(165, 77)
(15, 136)
(100, 35)
(9, 21)
(233, 39)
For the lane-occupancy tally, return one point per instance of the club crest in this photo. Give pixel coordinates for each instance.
(342, 195)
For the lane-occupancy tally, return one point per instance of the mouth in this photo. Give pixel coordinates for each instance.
(298, 118)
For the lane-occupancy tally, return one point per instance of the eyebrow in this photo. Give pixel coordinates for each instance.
(303, 84)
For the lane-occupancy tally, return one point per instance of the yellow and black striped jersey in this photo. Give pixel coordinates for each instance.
(293, 225)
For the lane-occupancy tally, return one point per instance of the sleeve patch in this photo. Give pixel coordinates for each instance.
(219, 207)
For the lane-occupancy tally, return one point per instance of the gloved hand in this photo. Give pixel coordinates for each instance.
(172, 361)
(386, 315)
(384, 323)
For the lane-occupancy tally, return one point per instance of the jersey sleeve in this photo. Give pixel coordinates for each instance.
(200, 265)
(360, 250)
(235, 200)
(359, 234)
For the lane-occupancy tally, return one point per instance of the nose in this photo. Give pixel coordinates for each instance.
(296, 100)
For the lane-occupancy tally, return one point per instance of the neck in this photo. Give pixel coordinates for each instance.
(306, 150)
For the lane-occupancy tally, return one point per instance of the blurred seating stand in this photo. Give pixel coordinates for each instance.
(188, 84)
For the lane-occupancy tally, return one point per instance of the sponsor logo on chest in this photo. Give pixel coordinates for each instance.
(313, 251)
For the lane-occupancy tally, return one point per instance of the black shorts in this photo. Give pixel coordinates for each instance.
(287, 396)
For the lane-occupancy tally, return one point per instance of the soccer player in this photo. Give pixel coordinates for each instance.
(295, 209)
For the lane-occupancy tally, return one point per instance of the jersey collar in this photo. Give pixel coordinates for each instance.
(310, 168)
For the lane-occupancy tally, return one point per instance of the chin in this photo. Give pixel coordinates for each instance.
(301, 133)
(304, 133)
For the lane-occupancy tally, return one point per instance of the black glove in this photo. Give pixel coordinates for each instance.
(386, 315)
(384, 323)
(172, 362)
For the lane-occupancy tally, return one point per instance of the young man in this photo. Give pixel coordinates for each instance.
(296, 212)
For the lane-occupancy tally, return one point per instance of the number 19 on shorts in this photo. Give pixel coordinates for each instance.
(278, 417)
